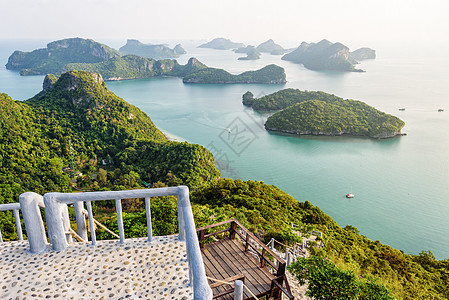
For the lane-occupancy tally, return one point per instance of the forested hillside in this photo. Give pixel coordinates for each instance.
(77, 135)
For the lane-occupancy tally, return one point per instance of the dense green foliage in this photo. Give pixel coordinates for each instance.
(287, 97)
(319, 113)
(151, 51)
(126, 67)
(58, 54)
(77, 122)
(326, 281)
(323, 56)
(269, 74)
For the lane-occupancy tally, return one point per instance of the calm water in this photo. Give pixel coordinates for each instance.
(401, 185)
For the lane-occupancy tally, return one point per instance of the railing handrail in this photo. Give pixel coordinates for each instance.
(69, 198)
(262, 245)
(9, 206)
(287, 291)
(15, 208)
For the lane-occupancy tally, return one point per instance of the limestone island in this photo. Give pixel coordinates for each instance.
(270, 74)
(151, 51)
(271, 47)
(363, 53)
(319, 113)
(251, 53)
(58, 54)
(323, 56)
(87, 55)
(221, 44)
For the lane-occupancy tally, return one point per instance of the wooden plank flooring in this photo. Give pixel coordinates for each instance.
(226, 258)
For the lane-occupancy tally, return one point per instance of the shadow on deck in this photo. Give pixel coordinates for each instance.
(240, 255)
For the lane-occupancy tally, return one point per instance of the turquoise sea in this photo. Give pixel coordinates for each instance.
(401, 185)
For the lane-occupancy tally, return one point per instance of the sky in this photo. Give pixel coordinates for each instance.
(247, 21)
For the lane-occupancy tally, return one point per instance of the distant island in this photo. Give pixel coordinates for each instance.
(271, 47)
(323, 56)
(88, 55)
(319, 113)
(151, 51)
(59, 53)
(271, 74)
(363, 53)
(221, 44)
(251, 53)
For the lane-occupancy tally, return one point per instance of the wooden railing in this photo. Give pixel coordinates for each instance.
(249, 240)
(228, 281)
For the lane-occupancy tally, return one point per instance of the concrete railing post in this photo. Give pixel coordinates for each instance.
(288, 258)
(34, 226)
(66, 222)
(81, 227)
(201, 289)
(55, 224)
(181, 224)
(18, 225)
(238, 290)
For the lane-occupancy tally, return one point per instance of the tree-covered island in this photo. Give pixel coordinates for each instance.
(319, 113)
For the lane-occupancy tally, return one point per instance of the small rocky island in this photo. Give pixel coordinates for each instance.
(151, 51)
(323, 56)
(363, 53)
(251, 53)
(221, 44)
(271, 47)
(319, 113)
(87, 55)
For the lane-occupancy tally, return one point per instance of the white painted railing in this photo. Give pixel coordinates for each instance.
(15, 208)
(58, 225)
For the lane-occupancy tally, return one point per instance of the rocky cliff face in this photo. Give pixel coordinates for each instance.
(49, 81)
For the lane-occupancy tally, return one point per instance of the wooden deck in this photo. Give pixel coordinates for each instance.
(228, 259)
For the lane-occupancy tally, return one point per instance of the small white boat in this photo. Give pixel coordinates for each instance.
(350, 194)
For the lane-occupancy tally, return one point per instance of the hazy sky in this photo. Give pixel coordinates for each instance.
(242, 20)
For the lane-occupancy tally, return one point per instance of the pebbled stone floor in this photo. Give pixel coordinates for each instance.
(134, 270)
